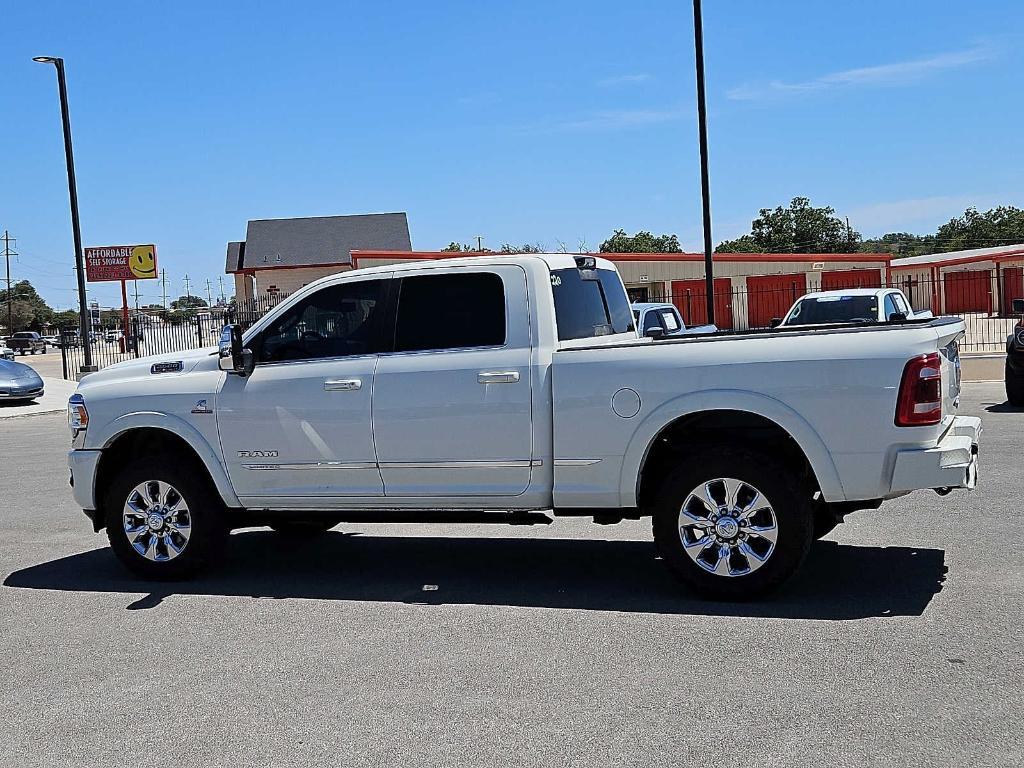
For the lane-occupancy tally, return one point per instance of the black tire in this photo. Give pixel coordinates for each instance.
(1014, 386)
(780, 486)
(207, 531)
(44, 350)
(303, 528)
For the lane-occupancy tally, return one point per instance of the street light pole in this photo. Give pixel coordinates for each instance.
(705, 184)
(83, 312)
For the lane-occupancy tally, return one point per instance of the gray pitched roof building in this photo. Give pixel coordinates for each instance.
(316, 241)
(279, 256)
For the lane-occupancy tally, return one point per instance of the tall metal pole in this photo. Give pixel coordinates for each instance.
(705, 184)
(10, 295)
(83, 312)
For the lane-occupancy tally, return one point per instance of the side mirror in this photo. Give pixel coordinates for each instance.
(776, 322)
(897, 317)
(233, 358)
(1018, 306)
(655, 333)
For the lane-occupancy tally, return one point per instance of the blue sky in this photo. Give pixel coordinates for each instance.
(526, 121)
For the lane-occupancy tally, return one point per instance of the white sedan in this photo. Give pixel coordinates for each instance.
(855, 305)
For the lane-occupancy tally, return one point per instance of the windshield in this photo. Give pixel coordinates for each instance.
(834, 309)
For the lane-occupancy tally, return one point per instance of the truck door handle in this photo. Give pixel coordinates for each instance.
(498, 377)
(342, 385)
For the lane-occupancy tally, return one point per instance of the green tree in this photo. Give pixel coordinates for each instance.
(641, 242)
(743, 244)
(524, 248)
(798, 228)
(66, 319)
(454, 247)
(900, 244)
(188, 302)
(1003, 225)
(28, 309)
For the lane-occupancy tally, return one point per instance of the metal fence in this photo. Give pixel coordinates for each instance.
(984, 304)
(157, 332)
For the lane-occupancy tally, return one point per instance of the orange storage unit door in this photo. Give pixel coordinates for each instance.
(1013, 287)
(690, 297)
(838, 279)
(771, 296)
(969, 291)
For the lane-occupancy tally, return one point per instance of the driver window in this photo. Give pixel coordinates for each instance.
(890, 305)
(336, 321)
(651, 320)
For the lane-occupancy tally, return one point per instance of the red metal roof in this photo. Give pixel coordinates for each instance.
(956, 258)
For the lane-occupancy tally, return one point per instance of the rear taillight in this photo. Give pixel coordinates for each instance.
(920, 398)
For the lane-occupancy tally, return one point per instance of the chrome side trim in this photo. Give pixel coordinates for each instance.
(401, 465)
(315, 465)
(576, 462)
(512, 464)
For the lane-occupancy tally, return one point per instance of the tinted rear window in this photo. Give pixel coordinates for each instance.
(452, 311)
(585, 308)
(844, 310)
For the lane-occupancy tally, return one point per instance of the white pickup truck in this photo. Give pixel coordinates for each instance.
(513, 389)
(853, 305)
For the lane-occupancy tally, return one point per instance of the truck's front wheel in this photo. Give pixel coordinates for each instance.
(732, 525)
(163, 521)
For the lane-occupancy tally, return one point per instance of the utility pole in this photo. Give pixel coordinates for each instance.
(163, 280)
(188, 295)
(84, 320)
(10, 295)
(480, 243)
(209, 298)
(223, 298)
(135, 284)
(705, 184)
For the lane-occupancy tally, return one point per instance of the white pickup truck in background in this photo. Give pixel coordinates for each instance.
(854, 305)
(513, 389)
(659, 320)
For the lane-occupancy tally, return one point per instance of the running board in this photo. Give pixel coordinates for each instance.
(244, 518)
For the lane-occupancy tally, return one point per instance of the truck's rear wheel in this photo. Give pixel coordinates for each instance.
(732, 525)
(1014, 386)
(163, 520)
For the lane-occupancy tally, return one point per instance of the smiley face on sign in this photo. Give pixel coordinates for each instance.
(142, 262)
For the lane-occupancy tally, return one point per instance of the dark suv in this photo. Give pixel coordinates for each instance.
(1014, 371)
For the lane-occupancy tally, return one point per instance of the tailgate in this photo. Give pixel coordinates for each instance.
(948, 342)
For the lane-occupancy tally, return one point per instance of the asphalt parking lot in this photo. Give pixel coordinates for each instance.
(900, 643)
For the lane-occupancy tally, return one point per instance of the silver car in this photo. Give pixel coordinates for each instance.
(19, 382)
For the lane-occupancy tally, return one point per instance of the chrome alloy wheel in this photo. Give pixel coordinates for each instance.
(157, 521)
(728, 527)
